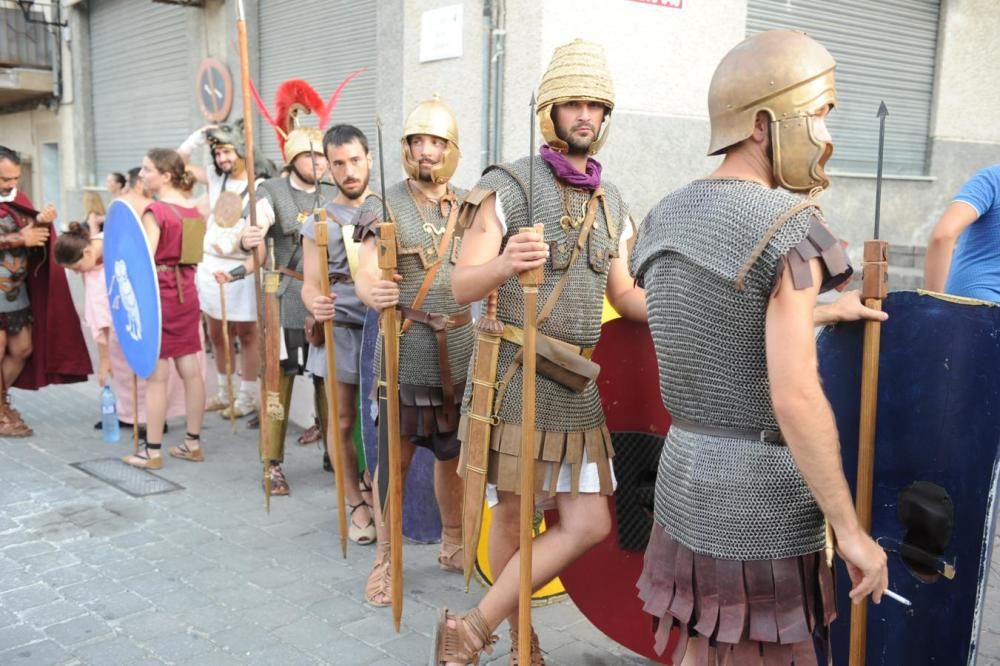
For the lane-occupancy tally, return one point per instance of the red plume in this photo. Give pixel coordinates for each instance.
(291, 93)
(324, 113)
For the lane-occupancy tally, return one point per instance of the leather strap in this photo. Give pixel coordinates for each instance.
(767, 436)
(439, 324)
(515, 335)
(425, 286)
(295, 275)
(176, 268)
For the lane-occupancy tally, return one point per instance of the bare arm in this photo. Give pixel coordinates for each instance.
(194, 141)
(152, 230)
(957, 216)
(807, 422)
(481, 267)
(625, 297)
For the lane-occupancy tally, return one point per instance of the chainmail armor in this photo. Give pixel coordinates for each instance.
(577, 315)
(288, 203)
(413, 244)
(727, 498)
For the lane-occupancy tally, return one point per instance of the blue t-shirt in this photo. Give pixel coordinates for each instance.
(975, 265)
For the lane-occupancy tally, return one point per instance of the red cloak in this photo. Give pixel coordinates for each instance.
(62, 357)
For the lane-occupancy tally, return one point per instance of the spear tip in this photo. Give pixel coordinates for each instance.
(532, 99)
(240, 14)
(882, 110)
(378, 121)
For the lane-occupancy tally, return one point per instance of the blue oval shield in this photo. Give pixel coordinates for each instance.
(133, 290)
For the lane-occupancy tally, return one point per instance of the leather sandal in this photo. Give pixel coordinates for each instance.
(455, 644)
(276, 477)
(536, 652)
(451, 556)
(186, 453)
(143, 460)
(380, 579)
(363, 535)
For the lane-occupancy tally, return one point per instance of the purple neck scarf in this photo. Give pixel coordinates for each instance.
(567, 173)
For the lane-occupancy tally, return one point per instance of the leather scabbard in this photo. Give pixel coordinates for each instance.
(479, 425)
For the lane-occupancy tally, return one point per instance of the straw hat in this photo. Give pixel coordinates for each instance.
(577, 71)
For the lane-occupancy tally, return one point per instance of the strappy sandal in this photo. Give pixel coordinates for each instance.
(186, 453)
(276, 477)
(451, 556)
(310, 435)
(143, 460)
(380, 579)
(363, 535)
(536, 652)
(454, 644)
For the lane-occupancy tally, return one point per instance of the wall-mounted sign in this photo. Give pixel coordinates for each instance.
(441, 33)
(670, 4)
(214, 90)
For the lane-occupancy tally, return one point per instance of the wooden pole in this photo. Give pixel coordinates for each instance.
(262, 332)
(229, 359)
(873, 291)
(332, 399)
(390, 342)
(529, 285)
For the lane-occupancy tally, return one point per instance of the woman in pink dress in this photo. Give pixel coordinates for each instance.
(83, 253)
(164, 175)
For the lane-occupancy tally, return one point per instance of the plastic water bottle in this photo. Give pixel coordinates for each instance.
(109, 416)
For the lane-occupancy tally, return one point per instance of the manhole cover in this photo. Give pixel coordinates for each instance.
(132, 480)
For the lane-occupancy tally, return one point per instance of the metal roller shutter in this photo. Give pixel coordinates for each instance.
(885, 51)
(321, 42)
(142, 68)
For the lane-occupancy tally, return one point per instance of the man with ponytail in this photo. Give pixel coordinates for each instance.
(36, 298)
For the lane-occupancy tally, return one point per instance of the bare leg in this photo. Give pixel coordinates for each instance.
(218, 348)
(584, 521)
(17, 350)
(383, 597)
(347, 395)
(448, 487)
(194, 395)
(246, 331)
(156, 409)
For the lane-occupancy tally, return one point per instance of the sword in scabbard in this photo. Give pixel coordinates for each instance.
(530, 280)
(390, 346)
(263, 335)
(874, 289)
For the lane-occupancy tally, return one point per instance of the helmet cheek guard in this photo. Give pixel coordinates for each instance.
(799, 158)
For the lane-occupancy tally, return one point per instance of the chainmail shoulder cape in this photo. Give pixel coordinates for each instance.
(291, 208)
(709, 256)
(419, 230)
(567, 423)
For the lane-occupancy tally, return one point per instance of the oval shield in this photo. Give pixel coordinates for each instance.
(936, 463)
(133, 290)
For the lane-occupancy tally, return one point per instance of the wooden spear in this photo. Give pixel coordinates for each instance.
(332, 399)
(873, 290)
(229, 359)
(529, 286)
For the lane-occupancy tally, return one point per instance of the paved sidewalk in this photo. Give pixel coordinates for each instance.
(203, 575)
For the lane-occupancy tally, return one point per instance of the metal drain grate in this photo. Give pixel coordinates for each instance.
(132, 480)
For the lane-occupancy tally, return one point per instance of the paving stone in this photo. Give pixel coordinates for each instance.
(28, 597)
(337, 610)
(147, 626)
(178, 647)
(23, 551)
(280, 653)
(112, 652)
(54, 613)
(61, 577)
(39, 564)
(210, 619)
(18, 634)
(44, 652)
(241, 639)
(89, 590)
(118, 606)
(79, 630)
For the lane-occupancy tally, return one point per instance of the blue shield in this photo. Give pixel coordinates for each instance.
(133, 290)
(936, 462)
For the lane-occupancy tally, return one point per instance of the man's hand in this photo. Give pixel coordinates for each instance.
(323, 307)
(35, 236)
(866, 565)
(847, 307)
(385, 293)
(48, 215)
(251, 238)
(524, 251)
(222, 277)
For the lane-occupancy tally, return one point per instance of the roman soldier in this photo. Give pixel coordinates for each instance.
(285, 203)
(40, 338)
(582, 251)
(436, 340)
(750, 473)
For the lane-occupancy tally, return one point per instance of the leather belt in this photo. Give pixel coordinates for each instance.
(347, 324)
(440, 323)
(767, 436)
(176, 268)
(334, 277)
(515, 335)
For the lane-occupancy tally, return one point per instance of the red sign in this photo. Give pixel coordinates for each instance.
(670, 4)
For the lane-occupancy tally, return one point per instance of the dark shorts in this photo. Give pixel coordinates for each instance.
(296, 348)
(13, 322)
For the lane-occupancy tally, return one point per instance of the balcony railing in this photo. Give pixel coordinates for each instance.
(23, 43)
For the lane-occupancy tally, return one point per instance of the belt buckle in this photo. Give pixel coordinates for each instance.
(447, 320)
(763, 437)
